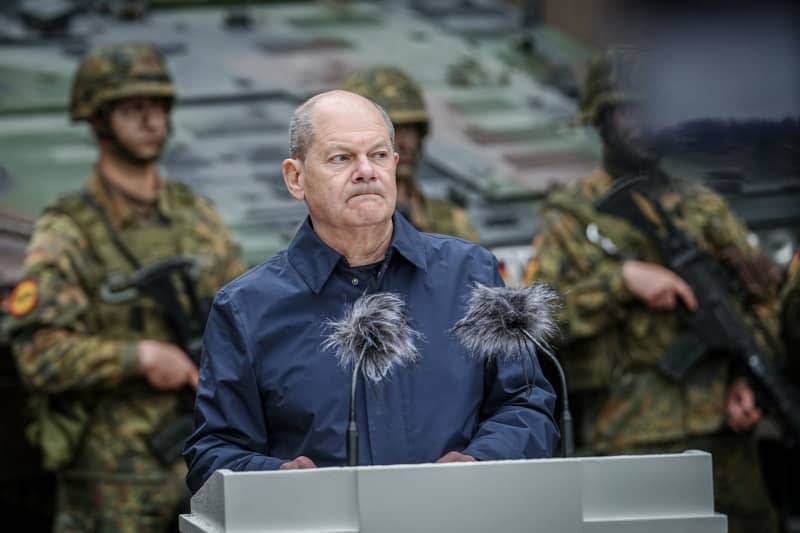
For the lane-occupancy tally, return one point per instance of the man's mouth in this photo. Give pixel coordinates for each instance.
(365, 193)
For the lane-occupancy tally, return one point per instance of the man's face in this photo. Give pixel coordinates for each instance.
(409, 145)
(630, 136)
(348, 176)
(140, 127)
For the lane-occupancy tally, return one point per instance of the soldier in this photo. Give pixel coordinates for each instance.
(101, 355)
(402, 98)
(622, 306)
(782, 460)
(790, 307)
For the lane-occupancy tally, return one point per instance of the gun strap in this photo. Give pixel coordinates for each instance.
(112, 232)
(621, 201)
(165, 293)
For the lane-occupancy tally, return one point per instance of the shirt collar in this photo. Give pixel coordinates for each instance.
(117, 208)
(315, 261)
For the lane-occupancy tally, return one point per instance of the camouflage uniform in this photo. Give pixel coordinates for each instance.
(790, 309)
(402, 99)
(77, 350)
(612, 342)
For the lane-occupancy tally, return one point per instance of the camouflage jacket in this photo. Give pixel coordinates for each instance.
(790, 311)
(433, 215)
(611, 341)
(72, 344)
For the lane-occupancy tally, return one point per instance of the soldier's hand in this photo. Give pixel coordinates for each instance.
(165, 366)
(657, 286)
(299, 463)
(741, 406)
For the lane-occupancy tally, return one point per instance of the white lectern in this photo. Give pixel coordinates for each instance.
(623, 494)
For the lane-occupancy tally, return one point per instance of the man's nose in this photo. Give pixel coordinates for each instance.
(365, 170)
(154, 118)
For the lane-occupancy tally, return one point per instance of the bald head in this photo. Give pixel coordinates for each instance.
(301, 126)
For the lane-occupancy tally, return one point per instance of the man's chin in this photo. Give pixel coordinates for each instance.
(139, 156)
(371, 217)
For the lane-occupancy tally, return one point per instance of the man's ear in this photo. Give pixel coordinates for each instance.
(396, 158)
(292, 176)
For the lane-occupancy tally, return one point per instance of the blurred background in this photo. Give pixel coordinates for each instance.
(501, 81)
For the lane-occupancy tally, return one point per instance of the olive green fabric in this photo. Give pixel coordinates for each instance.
(434, 215)
(79, 350)
(122, 505)
(57, 429)
(790, 312)
(118, 71)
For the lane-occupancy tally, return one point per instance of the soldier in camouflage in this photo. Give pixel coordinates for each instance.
(105, 372)
(402, 98)
(622, 306)
(790, 309)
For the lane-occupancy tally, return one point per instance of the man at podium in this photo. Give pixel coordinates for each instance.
(276, 387)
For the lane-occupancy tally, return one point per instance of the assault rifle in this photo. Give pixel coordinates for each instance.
(165, 282)
(715, 326)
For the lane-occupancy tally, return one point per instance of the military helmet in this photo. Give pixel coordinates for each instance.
(118, 71)
(395, 91)
(612, 78)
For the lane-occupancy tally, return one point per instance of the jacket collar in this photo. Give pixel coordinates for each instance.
(315, 261)
(117, 208)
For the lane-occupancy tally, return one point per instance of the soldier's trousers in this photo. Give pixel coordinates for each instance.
(739, 489)
(121, 503)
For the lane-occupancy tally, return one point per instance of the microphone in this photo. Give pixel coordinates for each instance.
(372, 337)
(500, 320)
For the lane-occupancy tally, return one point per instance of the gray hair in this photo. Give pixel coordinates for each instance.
(301, 127)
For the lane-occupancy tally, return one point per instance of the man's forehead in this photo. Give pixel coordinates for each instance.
(349, 108)
(342, 122)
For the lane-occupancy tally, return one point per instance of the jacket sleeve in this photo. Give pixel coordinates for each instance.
(54, 347)
(517, 411)
(594, 295)
(230, 423)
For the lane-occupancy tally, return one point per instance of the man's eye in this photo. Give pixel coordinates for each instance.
(338, 158)
(381, 154)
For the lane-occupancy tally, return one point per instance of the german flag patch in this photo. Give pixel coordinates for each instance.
(23, 298)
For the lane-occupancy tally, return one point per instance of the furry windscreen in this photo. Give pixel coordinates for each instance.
(496, 318)
(376, 329)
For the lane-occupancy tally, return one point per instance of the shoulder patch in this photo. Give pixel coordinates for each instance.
(23, 298)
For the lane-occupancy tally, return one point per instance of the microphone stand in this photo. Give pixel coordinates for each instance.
(567, 432)
(352, 427)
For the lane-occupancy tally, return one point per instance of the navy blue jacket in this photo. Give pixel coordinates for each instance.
(269, 393)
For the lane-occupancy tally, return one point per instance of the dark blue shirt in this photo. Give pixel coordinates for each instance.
(269, 392)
